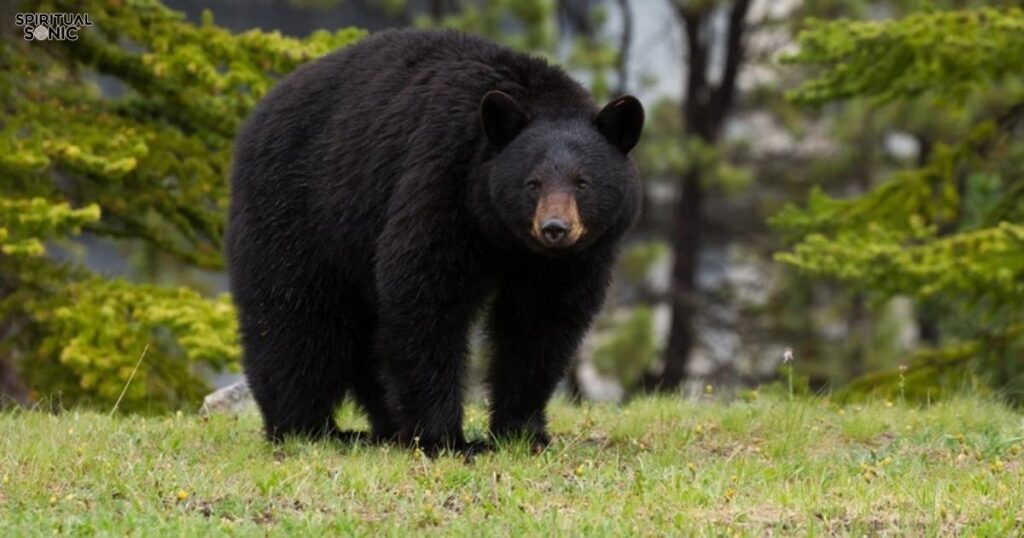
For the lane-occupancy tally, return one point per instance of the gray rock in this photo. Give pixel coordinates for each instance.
(234, 398)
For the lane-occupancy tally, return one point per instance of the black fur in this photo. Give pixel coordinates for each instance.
(373, 215)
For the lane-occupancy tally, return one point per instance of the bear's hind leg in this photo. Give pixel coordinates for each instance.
(299, 369)
(367, 386)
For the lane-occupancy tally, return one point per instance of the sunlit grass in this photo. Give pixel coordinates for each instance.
(656, 466)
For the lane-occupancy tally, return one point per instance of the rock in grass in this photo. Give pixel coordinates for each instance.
(233, 398)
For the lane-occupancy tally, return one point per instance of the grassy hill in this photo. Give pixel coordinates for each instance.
(656, 466)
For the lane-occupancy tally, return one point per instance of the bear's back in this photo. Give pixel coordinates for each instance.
(318, 161)
(372, 98)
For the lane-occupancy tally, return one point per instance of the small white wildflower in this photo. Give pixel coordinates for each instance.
(787, 356)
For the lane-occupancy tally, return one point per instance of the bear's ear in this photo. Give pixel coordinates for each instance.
(621, 122)
(502, 117)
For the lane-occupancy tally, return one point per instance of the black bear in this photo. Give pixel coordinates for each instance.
(384, 195)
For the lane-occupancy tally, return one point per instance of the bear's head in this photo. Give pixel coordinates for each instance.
(560, 184)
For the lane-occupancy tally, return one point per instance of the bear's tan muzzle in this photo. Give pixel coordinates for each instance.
(556, 221)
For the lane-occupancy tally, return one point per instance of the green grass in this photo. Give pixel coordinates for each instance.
(657, 466)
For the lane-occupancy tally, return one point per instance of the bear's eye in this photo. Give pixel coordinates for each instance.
(533, 184)
(582, 184)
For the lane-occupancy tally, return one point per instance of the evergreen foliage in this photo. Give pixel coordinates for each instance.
(949, 233)
(146, 167)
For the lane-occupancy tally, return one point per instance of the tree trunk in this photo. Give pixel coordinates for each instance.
(686, 246)
(857, 333)
(12, 390)
(625, 40)
(858, 320)
(927, 318)
(705, 108)
(436, 10)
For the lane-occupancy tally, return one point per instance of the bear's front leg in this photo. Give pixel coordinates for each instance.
(428, 290)
(424, 361)
(540, 315)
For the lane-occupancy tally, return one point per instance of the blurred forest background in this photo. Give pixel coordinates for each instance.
(839, 178)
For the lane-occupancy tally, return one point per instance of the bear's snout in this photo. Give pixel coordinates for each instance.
(556, 222)
(554, 230)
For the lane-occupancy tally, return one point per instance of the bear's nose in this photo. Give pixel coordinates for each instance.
(554, 230)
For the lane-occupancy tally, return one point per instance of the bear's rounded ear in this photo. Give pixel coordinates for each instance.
(621, 122)
(502, 117)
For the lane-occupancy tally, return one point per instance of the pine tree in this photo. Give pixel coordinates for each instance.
(949, 233)
(146, 168)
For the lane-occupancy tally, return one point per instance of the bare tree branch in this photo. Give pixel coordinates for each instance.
(577, 14)
(695, 104)
(722, 97)
(625, 42)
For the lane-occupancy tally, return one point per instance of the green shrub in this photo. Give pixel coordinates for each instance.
(148, 167)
